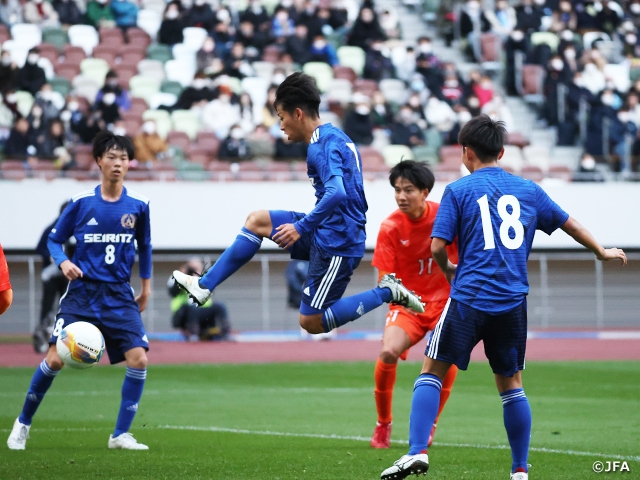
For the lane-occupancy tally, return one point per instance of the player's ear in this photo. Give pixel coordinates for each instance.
(501, 153)
(298, 113)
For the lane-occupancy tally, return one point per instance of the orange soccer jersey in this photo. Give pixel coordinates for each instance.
(4, 272)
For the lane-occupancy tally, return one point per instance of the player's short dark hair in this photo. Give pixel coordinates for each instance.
(484, 136)
(417, 173)
(106, 140)
(298, 90)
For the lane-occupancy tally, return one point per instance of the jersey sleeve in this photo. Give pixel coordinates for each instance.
(66, 223)
(384, 255)
(446, 223)
(550, 216)
(332, 166)
(5, 283)
(143, 238)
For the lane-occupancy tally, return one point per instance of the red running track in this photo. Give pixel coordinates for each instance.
(22, 355)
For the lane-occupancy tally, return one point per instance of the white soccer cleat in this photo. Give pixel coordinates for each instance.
(407, 465)
(18, 438)
(125, 441)
(401, 294)
(189, 283)
(519, 476)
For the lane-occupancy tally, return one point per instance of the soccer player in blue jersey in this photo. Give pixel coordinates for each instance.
(331, 236)
(494, 216)
(107, 222)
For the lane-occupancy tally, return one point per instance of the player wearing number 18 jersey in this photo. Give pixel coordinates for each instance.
(331, 236)
(493, 215)
(107, 223)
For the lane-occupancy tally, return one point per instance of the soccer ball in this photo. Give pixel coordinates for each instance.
(80, 345)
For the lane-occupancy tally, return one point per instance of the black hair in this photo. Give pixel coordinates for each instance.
(298, 90)
(106, 140)
(417, 173)
(484, 136)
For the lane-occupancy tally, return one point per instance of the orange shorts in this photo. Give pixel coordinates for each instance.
(415, 325)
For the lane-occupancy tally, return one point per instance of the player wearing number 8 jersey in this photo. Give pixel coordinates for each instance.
(331, 236)
(493, 215)
(107, 223)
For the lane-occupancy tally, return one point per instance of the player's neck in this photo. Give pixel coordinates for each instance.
(478, 165)
(111, 192)
(309, 127)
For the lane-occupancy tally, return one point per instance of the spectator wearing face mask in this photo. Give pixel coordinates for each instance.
(564, 18)
(223, 32)
(252, 40)
(497, 109)
(473, 23)
(310, 19)
(604, 107)
(462, 116)
(634, 12)
(282, 26)
(473, 105)
(52, 145)
(528, 17)
(31, 77)
(321, 51)
(557, 74)
(221, 114)
(452, 91)
(378, 65)
(208, 58)
(85, 125)
(125, 14)
(405, 130)
(428, 65)
(248, 122)
(622, 133)
(68, 12)
(148, 146)
(50, 101)
(629, 37)
(587, 170)
(111, 85)
(237, 63)
(484, 90)
(40, 13)
(297, 45)
(235, 145)
(200, 15)
(416, 102)
(8, 72)
(269, 114)
(389, 23)
(502, 19)
(607, 19)
(633, 104)
(99, 14)
(108, 108)
(365, 29)
(440, 115)
(406, 67)
(18, 142)
(257, 16)
(381, 111)
(358, 125)
(170, 32)
(10, 12)
(516, 42)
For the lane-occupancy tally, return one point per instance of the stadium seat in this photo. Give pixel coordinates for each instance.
(83, 155)
(131, 57)
(535, 155)
(560, 172)
(394, 90)
(138, 106)
(451, 155)
(512, 158)
(179, 71)
(209, 142)
(61, 85)
(155, 5)
(347, 73)
(590, 37)
(24, 101)
(491, 50)
(95, 68)
(28, 35)
(353, 57)
(426, 153)
(433, 138)
(143, 87)
(162, 99)
(73, 54)
(263, 70)
(149, 21)
(531, 172)
(151, 68)
(257, 88)
(180, 140)
(125, 74)
(137, 36)
(517, 139)
(339, 90)
(169, 86)
(200, 156)
(55, 36)
(13, 170)
(619, 74)
(18, 52)
(132, 126)
(50, 52)
(271, 54)
(185, 121)
(531, 84)
(365, 86)
(86, 86)
(4, 35)
(395, 153)
(321, 72)
(159, 52)
(162, 119)
(106, 52)
(112, 37)
(67, 71)
(84, 36)
(546, 38)
(372, 160)
(44, 169)
(184, 53)
(194, 37)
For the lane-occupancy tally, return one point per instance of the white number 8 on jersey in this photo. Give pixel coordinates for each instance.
(109, 256)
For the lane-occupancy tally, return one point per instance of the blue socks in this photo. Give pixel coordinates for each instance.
(351, 308)
(517, 421)
(40, 383)
(424, 410)
(131, 393)
(240, 252)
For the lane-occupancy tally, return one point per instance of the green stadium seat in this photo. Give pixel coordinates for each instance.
(55, 36)
(185, 121)
(61, 85)
(169, 86)
(353, 57)
(143, 87)
(159, 52)
(393, 154)
(95, 68)
(322, 72)
(24, 101)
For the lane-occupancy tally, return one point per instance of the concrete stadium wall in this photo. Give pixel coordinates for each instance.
(208, 215)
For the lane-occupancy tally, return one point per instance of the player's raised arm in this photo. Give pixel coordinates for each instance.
(581, 235)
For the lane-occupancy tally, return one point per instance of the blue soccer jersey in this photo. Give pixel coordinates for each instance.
(332, 154)
(106, 234)
(494, 215)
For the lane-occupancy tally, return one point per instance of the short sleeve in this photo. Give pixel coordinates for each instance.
(65, 225)
(446, 223)
(550, 216)
(5, 283)
(384, 255)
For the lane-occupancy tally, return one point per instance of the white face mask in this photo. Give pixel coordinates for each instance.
(102, 2)
(517, 36)
(607, 99)
(567, 35)
(464, 117)
(635, 8)
(223, 15)
(65, 116)
(362, 110)
(319, 44)
(557, 64)
(172, 14)
(451, 83)
(578, 82)
(570, 54)
(473, 5)
(199, 83)
(224, 99)
(32, 58)
(278, 78)
(624, 117)
(6, 61)
(426, 48)
(109, 98)
(540, 2)
(236, 134)
(199, 3)
(474, 102)
(414, 102)
(631, 38)
(149, 128)
(120, 131)
(73, 106)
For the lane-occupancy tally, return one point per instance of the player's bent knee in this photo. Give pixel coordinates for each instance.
(259, 222)
(389, 355)
(312, 323)
(53, 359)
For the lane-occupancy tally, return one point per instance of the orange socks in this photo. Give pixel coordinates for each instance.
(447, 383)
(385, 378)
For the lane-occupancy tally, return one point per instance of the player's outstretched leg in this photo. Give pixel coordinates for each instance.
(348, 309)
(517, 422)
(447, 384)
(385, 378)
(244, 247)
(40, 382)
(131, 393)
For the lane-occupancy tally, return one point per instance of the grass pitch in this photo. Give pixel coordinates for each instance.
(313, 421)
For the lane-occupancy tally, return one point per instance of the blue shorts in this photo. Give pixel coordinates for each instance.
(328, 275)
(461, 327)
(109, 306)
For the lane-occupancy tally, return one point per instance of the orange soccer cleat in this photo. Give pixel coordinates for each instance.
(381, 435)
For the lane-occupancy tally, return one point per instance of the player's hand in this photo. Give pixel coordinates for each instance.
(286, 235)
(451, 271)
(70, 270)
(142, 300)
(613, 254)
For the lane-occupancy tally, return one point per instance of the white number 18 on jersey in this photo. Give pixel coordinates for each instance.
(509, 221)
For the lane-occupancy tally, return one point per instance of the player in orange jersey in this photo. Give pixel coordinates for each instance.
(6, 294)
(404, 248)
